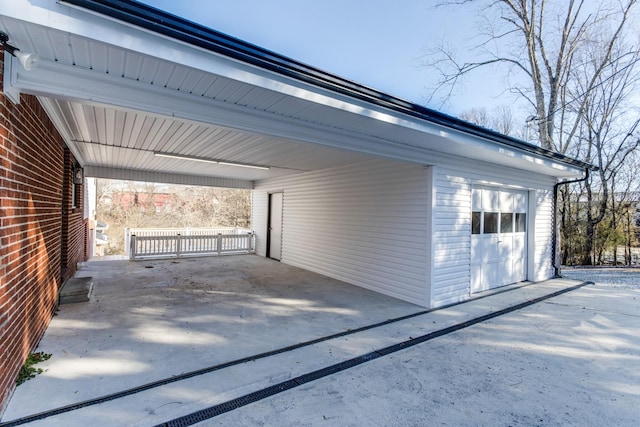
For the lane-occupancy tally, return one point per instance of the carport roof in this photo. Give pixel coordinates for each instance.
(124, 81)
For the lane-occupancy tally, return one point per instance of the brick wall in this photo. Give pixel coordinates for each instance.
(74, 225)
(41, 234)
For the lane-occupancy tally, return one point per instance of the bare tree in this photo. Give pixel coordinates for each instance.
(499, 119)
(210, 207)
(544, 41)
(124, 204)
(606, 134)
(478, 116)
(576, 69)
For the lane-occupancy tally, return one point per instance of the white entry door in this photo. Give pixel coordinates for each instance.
(498, 238)
(275, 226)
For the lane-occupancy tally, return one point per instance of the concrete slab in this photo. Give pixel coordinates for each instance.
(149, 320)
(547, 364)
(570, 361)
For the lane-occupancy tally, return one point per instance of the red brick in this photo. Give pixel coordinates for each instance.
(39, 246)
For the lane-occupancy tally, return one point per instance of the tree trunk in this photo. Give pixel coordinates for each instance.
(588, 244)
(564, 242)
(627, 254)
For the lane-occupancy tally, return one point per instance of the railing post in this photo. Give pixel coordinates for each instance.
(132, 246)
(219, 243)
(178, 244)
(127, 241)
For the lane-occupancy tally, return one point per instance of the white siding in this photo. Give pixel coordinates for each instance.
(382, 224)
(365, 224)
(259, 216)
(541, 261)
(451, 237)
(454, 179)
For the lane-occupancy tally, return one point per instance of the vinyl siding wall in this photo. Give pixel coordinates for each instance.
(454, 180)
(365, 224)
(259, 216)
(383, 226)
(541, 266)
(451, 237)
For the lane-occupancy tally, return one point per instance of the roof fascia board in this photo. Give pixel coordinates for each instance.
(52, 79)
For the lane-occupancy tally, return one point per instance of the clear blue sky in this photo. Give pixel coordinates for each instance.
(378, 43)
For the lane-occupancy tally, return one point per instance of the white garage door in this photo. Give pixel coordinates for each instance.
(498, 238)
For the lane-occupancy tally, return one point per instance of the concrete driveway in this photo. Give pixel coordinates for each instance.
(245, 340)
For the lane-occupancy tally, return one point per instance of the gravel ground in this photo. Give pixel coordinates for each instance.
(618, 277)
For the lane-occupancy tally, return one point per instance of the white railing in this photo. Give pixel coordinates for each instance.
(146, 243)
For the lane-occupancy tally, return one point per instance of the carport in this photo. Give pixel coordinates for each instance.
(347, 181)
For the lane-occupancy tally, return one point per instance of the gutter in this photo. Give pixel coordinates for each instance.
(554, 231)
(166, 24)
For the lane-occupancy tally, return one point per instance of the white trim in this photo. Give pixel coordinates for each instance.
(531, 235)
(165, 177)
(10, 68)
(430, 220)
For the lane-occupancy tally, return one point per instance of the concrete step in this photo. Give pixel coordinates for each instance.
(76, 290)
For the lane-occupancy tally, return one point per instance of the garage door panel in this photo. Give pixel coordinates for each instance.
(506, 201)
(504, 275)
(520, 202)
(490, 274)
(490, 200)
(519, 257)
(505, 248)
(476, 199)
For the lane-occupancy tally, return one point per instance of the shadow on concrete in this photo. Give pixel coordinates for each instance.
(149, 320)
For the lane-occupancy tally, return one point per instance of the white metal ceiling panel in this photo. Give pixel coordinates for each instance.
(123, 139)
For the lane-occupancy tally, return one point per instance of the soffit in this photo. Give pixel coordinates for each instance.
(122, 139)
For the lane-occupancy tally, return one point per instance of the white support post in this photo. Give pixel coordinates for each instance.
(132, 246)
(127, 242)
